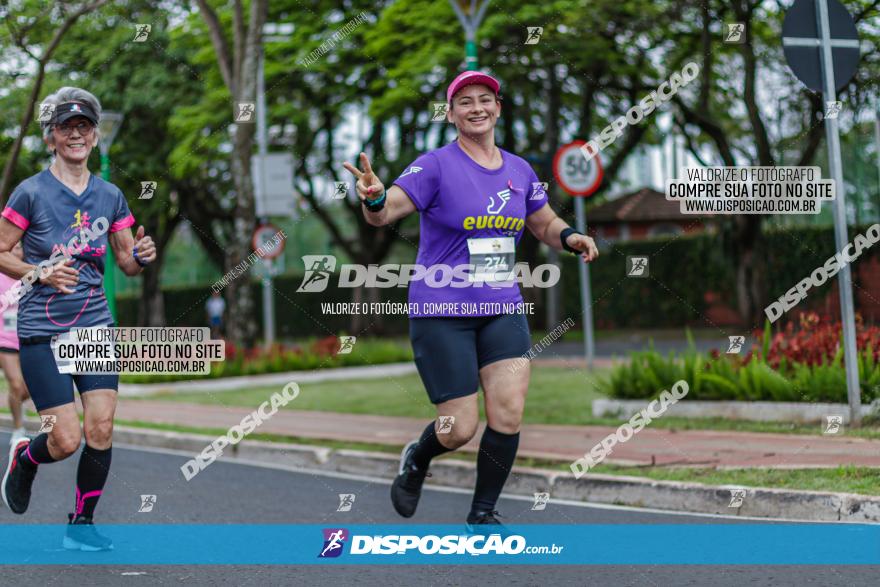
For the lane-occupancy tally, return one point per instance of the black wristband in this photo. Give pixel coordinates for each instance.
(375, 205)
(564, 235)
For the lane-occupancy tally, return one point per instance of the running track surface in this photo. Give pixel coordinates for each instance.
(230, 493)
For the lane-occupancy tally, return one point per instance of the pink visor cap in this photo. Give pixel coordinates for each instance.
(469, 78)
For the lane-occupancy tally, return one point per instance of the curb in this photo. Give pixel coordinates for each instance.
(593, 488)
(802, 413)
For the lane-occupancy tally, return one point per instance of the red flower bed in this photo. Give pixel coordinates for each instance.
(324, 347)
(815, 341)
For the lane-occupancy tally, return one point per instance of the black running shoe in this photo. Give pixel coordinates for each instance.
(17, 481)
(82, 535)
(485, 523)
(407, 486)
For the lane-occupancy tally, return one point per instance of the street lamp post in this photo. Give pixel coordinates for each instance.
(108, 126)
(470, 17)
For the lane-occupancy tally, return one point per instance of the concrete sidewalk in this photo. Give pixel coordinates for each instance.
(703, 448)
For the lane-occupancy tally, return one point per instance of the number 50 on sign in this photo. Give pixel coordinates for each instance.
(574, 173)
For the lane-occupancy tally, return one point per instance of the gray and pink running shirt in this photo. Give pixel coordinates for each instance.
(50, 214)
(466, 211)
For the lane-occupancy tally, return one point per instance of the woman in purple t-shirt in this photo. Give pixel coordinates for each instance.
(474, 202)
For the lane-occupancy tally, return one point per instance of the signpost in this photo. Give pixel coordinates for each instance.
(580, 178)
(826, 63)
(263, 238)
(272, 176)
(273, 184)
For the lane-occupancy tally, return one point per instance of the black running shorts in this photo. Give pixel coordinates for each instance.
(48, 387)
(450, 352)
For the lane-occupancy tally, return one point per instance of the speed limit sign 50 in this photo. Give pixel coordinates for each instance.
(574, 173)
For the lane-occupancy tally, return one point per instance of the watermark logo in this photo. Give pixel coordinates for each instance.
(833, 425)
(823, 273)
(737, 496)
(503, 197)
(833, 108)
(237, 433)
(735, 344)
(736, 33)
(636, 266)
(147, 504)
(334, 540)
(346, 501)
(445, 424)
(533, 34)
(539, 190)
(148, 190)
(664, 92)
(332, 41)
(340, 190)
(491, 269)
(141, 32)
(45, 112)
(319, 268)
(346, 344)
(541, 500)
(267, 246)
(627, 430)
(474, 545)
(47, 423)
(77, 244)
(245, 112)
(438, 111)
(545, 342)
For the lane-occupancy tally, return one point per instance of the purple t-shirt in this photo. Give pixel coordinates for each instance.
(469, 216)
(51, 215)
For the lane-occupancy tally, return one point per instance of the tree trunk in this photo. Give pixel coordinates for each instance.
(242, 324)
(151, 311)
(750, 283)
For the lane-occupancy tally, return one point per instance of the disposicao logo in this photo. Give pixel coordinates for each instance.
(334, 540)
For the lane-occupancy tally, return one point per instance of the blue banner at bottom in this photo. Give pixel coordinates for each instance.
(607, 544)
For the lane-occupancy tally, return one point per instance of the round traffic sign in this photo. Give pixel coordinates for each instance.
(574, 173)
(264, 239)
(803, 43)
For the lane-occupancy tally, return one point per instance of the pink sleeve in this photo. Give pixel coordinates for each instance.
(120, 224)
(19, 220)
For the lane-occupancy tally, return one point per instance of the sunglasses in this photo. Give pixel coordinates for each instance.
(84, 128)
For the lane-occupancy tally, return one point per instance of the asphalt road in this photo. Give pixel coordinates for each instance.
(231, 493)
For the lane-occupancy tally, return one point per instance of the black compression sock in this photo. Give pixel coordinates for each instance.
(94, 467)
(497, 454)
(37, 453)
(427, 448)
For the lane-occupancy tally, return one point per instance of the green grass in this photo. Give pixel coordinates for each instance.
(861, 480)
(628, 334)
(557, 395)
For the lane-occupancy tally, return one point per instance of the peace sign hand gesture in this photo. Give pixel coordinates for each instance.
(368, 185)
